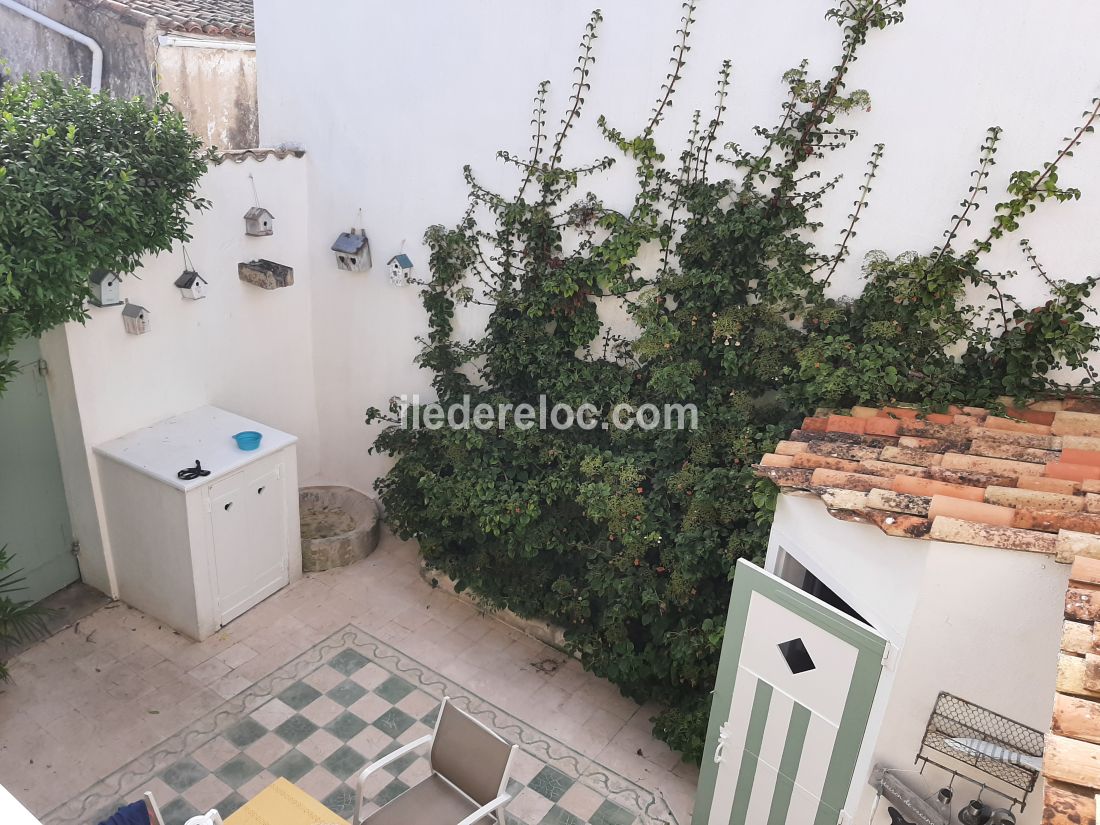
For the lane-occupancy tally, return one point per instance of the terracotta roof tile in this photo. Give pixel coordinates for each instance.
(931, 487)
(909, 455)
(961, 508)
(1049, 485)
(1030, 482)
(1054, 521)
(898, 502)
(214, 18)
(1072, 472)
(1011, 425)
(1035, 499)
(791, 447)
(1033, 474)
(1076, 423)
(1071, 759)
(851, 481)
(1033, 416)
(1074, 456)
(945, 528)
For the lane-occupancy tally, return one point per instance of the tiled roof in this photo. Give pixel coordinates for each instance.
(215, 18)
(1029, 481)
(1071, 759)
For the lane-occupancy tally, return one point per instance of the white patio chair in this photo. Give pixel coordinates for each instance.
(152, 809)
(470, 766)
(211, 817)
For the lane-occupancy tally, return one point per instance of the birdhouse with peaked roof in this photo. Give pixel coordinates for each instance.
(135, 318)
(258, 222)
(106, 288)
(352, 251)
(191, 285)
(401, 270)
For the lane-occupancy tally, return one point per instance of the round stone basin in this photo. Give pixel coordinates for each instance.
(339, 526)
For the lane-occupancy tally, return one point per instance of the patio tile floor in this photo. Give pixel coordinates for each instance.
(90, 699)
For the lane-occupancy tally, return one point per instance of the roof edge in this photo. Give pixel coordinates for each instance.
(123, 12)
(259, 154)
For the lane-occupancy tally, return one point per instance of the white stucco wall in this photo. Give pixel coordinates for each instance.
(391, 100)
(242, 348)
(981, 623)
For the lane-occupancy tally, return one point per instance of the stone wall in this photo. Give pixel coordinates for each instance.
(29, 47)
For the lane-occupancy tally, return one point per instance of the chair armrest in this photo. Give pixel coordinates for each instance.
(486, 809)
(390, 757)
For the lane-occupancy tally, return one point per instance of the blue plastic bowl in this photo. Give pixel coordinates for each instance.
(248, 440)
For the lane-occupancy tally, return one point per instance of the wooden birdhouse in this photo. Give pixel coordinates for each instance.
(352, 251)
(258, 221)
(106, 288)
(401, 270)
(191, 285)
(136, 319)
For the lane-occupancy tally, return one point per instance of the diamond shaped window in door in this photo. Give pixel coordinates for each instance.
(796, 656)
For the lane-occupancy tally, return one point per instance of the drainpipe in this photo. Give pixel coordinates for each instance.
(64, 31)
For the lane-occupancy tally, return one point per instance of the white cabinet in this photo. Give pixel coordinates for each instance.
(197, 553)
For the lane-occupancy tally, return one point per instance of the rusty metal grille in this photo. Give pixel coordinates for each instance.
(956, 719)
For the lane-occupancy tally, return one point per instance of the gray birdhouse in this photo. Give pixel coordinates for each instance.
(191, 285)
(401, 270)
(106, 288)
(136, 319)
(352, 251)
(258, 221)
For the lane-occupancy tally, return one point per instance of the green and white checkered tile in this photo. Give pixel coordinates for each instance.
(320, 719)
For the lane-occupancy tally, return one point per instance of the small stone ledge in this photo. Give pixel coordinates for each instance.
(544, 632)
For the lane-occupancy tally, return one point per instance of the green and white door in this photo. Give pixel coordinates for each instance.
(795, 687)
(34, 517)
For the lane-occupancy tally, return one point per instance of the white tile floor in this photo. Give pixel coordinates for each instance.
(91, 698)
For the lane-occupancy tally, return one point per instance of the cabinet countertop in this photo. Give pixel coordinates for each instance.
(206, 434)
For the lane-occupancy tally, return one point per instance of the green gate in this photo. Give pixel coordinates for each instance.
(34, 518)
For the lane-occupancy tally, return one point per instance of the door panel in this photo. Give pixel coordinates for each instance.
(229, 528)
(249, 531)
(34, 516)
(795, 687)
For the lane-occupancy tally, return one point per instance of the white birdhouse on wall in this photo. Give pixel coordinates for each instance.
(352, 251)
(106, 288)
(401, 270)
(191, 285)
(258, 221)
(135, 318)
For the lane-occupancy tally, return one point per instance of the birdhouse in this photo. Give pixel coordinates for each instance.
(136, 319)
(106, 288)
(191, 285)
(265, 274)
(352, 251)
(258, 221)
(401, 270)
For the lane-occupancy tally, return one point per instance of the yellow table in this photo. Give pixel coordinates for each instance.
(283, 803)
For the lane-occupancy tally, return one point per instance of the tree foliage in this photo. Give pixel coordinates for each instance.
(629, 538)
(87, 182)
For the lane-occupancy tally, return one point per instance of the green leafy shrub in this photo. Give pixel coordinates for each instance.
(20, 621)
(87, 182)
(629, 538)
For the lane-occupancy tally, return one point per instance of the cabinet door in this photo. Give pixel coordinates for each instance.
(248, 512)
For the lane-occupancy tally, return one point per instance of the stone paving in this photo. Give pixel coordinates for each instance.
(121, 699)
